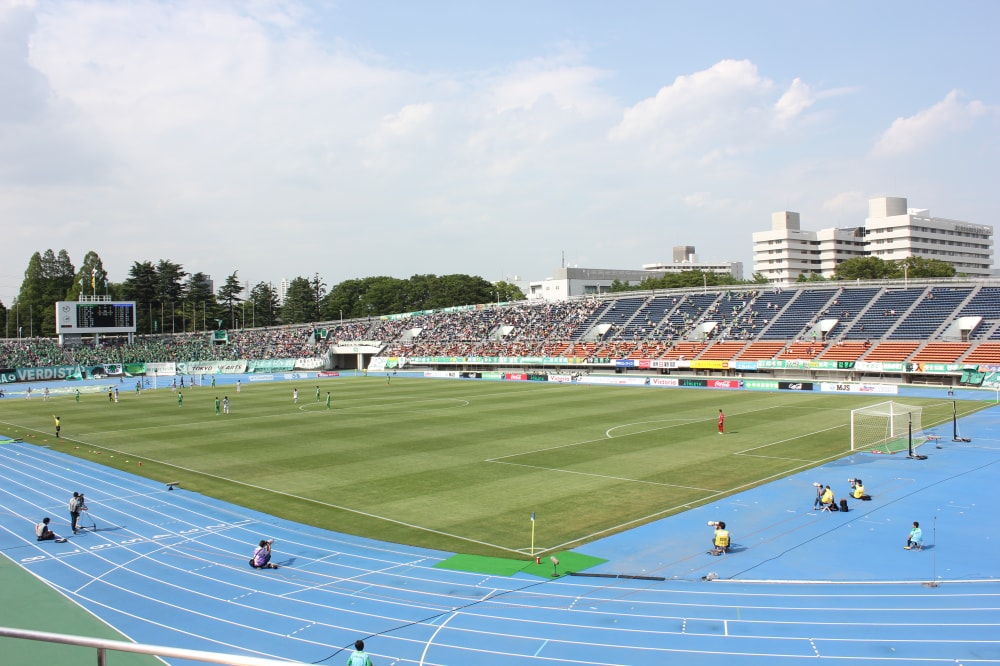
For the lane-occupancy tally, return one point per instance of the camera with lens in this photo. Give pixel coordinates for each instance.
(818, 485)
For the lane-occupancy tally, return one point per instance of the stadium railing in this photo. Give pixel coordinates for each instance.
(102, 645)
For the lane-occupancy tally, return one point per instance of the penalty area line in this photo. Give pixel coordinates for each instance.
(790, 439)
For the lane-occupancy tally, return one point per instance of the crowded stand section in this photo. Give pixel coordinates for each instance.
(819, 323)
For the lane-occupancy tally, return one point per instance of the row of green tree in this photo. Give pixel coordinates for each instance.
(873, 268)
(685, 280)
(171, 300)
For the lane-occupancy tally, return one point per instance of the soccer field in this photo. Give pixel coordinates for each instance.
(457, 465)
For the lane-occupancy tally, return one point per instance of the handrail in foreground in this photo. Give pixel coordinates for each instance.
(104, 644)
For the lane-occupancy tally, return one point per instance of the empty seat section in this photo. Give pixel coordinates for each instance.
(846, 306)
(723, 351)
(761, 350)
(684, 350)
(986, 304)
(801, 350)
(934, 309)
(845, 351)
(985, 352)
(941, 352)
(892, 351)
(884, 313)
(799, 315)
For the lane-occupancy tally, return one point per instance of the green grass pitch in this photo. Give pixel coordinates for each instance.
(457, 465)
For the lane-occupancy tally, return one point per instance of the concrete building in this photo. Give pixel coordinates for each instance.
(283, 289)
(891, 232)
(685, 259)
(572, 281)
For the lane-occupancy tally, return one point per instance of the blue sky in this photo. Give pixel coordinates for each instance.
(351, 139)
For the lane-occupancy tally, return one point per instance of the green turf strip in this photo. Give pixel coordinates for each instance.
(31, 604)
(501, 566)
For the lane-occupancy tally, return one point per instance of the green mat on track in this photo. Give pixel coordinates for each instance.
(502, 566)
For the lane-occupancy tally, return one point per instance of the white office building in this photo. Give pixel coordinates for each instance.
(891, 232)
(570, 281)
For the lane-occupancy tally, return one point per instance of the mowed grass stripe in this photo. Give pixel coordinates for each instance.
(458, 465)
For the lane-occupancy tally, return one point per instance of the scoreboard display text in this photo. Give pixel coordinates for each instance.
(95, 317)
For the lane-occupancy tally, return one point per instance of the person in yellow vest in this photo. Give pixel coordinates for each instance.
(857, 488)
(720, 540)
(826, 501)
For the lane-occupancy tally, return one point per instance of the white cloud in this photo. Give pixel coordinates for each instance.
(697, 199)
(709, 118)
(796, 99)
(907, 135)
(409, 119)
(566, 86)
(705, 98)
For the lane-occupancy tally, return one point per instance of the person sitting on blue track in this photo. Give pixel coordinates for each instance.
(826, 502)
(43, 533)
(916, 538)
(262, 556)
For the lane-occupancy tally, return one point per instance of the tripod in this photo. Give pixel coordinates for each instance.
(80, 527)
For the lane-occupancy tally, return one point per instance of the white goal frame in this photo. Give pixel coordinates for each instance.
(887, 427)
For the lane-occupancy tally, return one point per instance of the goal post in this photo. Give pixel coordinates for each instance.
(887, 427)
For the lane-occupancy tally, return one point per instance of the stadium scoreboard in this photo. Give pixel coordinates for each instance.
(82, 317)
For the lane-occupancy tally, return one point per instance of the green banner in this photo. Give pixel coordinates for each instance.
(803, 364)
(764, 384)
(135, 368)
(947, 367)
(271, 365)
(41, 374)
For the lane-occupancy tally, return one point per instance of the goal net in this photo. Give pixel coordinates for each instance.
(888, 427)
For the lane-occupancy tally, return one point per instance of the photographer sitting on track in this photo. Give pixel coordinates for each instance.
(43, 533)
(827, 502)
(858, 490)
(720, 540)
(818, 502)
(262, 556)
